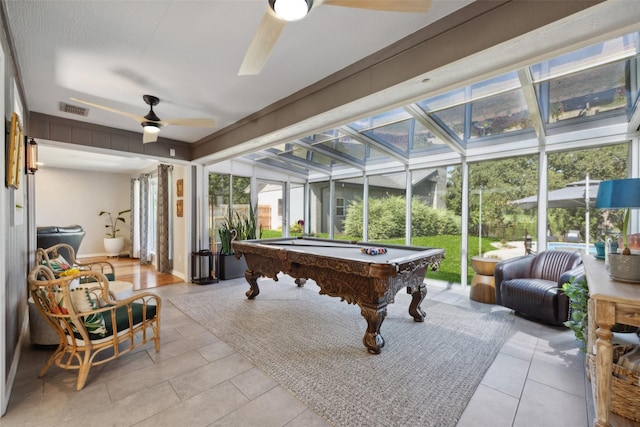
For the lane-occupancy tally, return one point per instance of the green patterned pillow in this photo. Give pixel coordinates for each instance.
(58, 265)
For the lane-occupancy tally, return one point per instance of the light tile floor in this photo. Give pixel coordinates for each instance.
(537, 379)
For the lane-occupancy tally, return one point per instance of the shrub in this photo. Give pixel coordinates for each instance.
(387, 219)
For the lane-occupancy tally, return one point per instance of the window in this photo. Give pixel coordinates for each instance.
(339, 206)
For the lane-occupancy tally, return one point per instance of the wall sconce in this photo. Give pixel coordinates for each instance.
(32, 156)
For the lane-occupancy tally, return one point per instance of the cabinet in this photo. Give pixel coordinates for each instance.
(204, 267)
(610, 302)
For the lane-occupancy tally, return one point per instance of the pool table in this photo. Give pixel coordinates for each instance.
(342, 269)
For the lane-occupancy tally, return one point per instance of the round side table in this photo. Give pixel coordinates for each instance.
(483, 287)
(120, 290)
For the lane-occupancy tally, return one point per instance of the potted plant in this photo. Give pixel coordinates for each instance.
(235, 227)
(113, 243)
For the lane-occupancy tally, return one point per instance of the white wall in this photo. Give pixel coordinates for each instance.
(67, 197)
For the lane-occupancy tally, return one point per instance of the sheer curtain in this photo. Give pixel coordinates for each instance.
(143, 229)
(135, 218)
(164, 226)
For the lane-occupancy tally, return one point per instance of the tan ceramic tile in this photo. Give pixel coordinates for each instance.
(201, 409)
(204, 377)
(542, 405)
(274, 408)
(124, 386)
(253, 383)
(489, 404)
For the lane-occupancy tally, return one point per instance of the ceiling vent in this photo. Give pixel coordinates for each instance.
(72, 109)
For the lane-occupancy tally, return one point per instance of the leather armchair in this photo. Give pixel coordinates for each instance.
(50, 236)
(532, 284)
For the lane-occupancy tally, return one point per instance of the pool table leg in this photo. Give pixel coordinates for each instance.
(254, 290)
(372, 338)
(417, 293)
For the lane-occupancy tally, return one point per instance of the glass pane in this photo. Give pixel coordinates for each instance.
(319, 209)
(500, 114)
(348, 226)
(219, 196)
(601, 53)
(269, 209)
(423, 139)
(436, 216)
(452, 120)
(387, 208)
(395, 135)
(347, 146)
(566, 215)
(585, 94)
(497, 226)
(296, 209)
(382, 119)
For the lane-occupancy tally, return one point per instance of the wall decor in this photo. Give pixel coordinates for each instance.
(179, 208)
(179, 187)
(13, 153)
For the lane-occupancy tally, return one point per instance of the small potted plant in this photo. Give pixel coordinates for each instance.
(113, 243)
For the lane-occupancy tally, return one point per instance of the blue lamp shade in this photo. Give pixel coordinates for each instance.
(619, 194)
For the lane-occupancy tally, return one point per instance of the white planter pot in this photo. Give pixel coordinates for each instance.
(113, 246)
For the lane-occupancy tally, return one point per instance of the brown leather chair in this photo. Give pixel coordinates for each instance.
(532, 284)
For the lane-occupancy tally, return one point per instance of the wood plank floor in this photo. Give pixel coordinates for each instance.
(142, 276)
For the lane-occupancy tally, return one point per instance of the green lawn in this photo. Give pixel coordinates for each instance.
(449, 269)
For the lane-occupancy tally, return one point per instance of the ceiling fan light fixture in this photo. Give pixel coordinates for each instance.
(150, 127)
(291, 10)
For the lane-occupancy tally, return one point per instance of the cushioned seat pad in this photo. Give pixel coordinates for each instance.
(122, 319)
(530, 291)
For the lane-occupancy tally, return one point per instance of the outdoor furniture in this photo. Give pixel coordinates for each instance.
(92, 327)
(532, 284)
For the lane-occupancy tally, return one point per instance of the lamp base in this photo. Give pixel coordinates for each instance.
(625, 268)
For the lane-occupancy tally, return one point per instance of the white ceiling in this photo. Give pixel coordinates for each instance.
(187, 53)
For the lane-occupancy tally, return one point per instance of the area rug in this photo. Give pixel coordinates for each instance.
(312, 345)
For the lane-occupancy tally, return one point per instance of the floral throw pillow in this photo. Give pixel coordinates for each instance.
(82, 301)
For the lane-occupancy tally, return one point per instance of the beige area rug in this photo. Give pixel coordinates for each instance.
(312, 345)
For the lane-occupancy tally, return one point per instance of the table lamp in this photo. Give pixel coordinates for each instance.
(621, 194)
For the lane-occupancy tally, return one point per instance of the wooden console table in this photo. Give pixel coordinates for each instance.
(610, 302)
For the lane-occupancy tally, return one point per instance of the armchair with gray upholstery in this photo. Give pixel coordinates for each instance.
(532, 284)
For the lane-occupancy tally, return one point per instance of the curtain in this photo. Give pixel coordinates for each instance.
(135, 218)
(143, 223)
(164, 240)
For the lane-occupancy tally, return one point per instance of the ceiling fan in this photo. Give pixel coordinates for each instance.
(281, 11)
(151, 123)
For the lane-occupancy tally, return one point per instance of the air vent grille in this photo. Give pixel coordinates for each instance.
(72, 109)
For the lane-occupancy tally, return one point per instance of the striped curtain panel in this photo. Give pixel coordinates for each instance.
(164, 226)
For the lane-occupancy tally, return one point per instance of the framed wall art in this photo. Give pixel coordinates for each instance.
(179, 208)
(13, 153)
(179, 189)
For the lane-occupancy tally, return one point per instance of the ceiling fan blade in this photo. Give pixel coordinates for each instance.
(388, 5)
(203, 123)
(136, 117)
(149, 136)
(262, 44)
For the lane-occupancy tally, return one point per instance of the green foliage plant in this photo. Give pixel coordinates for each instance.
(113, 221)
(244, 228)
(578, 294)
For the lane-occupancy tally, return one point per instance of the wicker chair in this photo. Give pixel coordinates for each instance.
(93, 327)
(50, 257)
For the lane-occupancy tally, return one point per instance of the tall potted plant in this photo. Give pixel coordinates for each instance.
(113, 243)
(235, 227)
